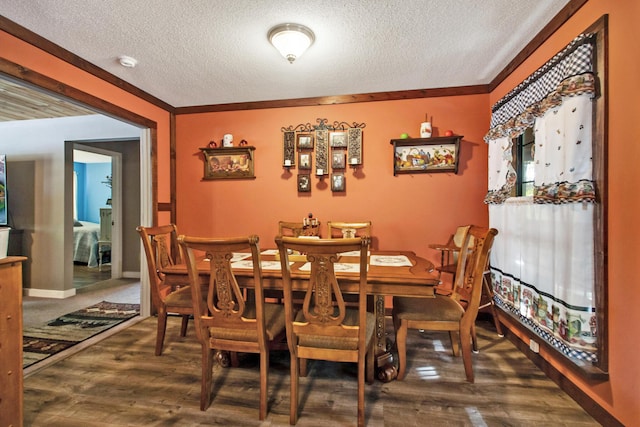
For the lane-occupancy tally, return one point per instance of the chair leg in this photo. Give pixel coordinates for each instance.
(304, 367)
(185, 323)
(454, 336)
(361, 391)
(264, 377)
(162, 327)
(370, 363)
(488, 291)
(293, 399)
(465, 342)
(207, 376)
(474, 339)
(401, 345)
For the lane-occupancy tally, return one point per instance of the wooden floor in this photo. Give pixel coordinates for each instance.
(84, 276)
(119, 382)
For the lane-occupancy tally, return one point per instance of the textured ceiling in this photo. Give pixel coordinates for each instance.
(202, 52)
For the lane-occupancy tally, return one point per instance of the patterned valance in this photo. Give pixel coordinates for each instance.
(568, 73)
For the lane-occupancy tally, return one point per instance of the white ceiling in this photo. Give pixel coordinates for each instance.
(204, 52)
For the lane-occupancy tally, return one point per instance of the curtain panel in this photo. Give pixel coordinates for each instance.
(542, 263)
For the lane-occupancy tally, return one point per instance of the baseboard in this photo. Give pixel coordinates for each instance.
(48, 293)
(599, 413)
(131, 274)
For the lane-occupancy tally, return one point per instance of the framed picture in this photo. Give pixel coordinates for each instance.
(228, 163)
(338, 159)
(288, 149)
(338, 139)
(337, 182)
(425, 155)
(305, 140)
(305, 160)
(304, 183)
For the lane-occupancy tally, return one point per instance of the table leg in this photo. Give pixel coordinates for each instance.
(385, 368)
(380, 337)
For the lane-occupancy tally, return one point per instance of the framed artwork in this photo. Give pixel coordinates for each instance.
(305, 140)
(338, 139)
(337, 182)
(338, 159)
(354, 151)
(425, 155)
(305, 160)
(322, 151)
(304, 183)
(228, 163)
(288, 149)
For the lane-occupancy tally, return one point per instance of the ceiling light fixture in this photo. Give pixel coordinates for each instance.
(127, 61)
(291, 40)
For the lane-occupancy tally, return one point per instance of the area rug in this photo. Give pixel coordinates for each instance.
(39, 343)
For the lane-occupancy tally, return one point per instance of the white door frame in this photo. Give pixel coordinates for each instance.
(116, 205)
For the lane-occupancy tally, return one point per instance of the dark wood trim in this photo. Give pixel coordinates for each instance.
(563, 16)
(600, 176)
(154, 176)
(61, 90)
(51, 48)
(172, 166)
(338, 99)
(165, 207)
(587, 403)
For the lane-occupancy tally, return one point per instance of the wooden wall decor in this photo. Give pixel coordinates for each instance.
(326, 148)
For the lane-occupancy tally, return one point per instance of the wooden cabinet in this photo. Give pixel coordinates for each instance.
(11, 341)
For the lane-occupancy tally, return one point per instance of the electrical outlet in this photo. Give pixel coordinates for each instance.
(534, 346)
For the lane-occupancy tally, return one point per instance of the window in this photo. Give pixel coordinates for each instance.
(523, 155)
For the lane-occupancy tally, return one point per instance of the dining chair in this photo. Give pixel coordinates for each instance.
(324, 328)
(297, 229)
(449, 252)
(348, 229)
(448, 264)
(227, 318)
(161, 249)
(455, 313)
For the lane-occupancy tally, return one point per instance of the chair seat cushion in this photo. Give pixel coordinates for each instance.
(179, 298)
(274, 320)
(339, 343)
(442, 308)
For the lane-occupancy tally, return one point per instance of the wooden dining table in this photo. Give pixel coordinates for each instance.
(390, 273)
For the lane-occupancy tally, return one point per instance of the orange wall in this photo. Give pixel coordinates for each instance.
(17, 51)
(419, 208)
(621, 395)
(407, 211)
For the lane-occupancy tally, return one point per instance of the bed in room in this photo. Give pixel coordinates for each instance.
(85, 242)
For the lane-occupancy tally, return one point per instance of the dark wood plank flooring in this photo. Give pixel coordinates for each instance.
(119, 382)
(84, 276)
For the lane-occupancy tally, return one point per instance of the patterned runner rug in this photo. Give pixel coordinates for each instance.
(66, 331)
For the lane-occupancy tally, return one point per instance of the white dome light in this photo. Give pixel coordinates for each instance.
(291, 40)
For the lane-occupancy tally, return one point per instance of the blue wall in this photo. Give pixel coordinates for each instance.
(92, 193)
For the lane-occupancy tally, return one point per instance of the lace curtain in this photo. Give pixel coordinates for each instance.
(543, 260)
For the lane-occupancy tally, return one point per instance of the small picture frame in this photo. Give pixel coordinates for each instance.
(338, 159)
(304, 161)
(338, 139)
(228, 163)
(305, 141)
(337, 182)
(304, 183)
(426, 155)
